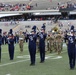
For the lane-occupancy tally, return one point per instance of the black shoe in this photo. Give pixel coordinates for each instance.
(72, 68)
(41, 61)
(11, 59)
(32, 64)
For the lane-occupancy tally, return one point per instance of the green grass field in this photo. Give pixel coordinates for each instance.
(20, 64)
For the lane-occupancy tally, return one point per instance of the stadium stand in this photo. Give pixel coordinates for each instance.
(23, 25)
(5, 26)
(17, 5)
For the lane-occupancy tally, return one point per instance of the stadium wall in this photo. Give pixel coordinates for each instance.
(5, 26)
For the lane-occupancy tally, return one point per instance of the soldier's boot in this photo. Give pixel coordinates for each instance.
(21, 50)
(37, 49)
(48, 47)
(55, 48)
(59, 52)
(50, 50)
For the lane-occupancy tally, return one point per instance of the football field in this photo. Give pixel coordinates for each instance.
(53, 65)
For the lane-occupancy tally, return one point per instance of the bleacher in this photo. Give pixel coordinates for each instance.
(6, 26)
(41, 5)
(29, 24)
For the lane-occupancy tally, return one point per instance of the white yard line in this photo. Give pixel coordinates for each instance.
(8, 74)
(25, 60)
(13, 63)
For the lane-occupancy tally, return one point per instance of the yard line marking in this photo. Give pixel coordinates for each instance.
(13, 62)
(47, 57)
(8, 74)
(58, 57)
(26, 56)
(54, 57)
(23, 60)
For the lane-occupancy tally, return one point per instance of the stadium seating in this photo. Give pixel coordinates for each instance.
(36, 4)
(29, 24)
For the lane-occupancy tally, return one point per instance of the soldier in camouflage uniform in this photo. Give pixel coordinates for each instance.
(50, 40)
(21, 41)
(59, 41)
(55, 47)
(37, 44)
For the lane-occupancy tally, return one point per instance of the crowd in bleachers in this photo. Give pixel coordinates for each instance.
(42, 18)
(24, 6)
(14, 7)
(61, 5)
(68, 4)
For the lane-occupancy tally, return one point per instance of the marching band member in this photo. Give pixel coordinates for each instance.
(71, 49)
(0, 43)
(32, 46)
(42, 37)
(11, 45)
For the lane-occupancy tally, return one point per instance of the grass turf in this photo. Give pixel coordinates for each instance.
(20, 66)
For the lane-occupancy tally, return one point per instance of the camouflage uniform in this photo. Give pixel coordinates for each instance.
(48, 42)
(50, 45)
(37, 44)
(21, 41)
(55, 47)
(59, 41)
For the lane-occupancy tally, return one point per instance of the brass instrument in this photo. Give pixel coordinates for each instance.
(56, 29)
